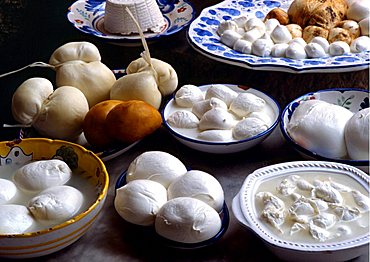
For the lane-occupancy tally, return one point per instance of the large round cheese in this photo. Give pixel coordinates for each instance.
(319, 127)
(15, 219)
(187, 220)
(357, 135)
(139, 201)
(200, 185)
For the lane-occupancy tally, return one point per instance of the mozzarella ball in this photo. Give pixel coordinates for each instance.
(364, 26)
(158, 166)
(217, 118)
(314, 50)
(240, 20)
(221, 92)
(262, 115)
(281, 35)
(226, 25)
(201, 107)
(319, 126)
(321, 41)
(216, 135)
(183, 119)
(56, 204)
(42, 174)
(187, 95)
(229, 37)
(7, 191)
(358, 10)
(187, 220)
(243, 46)
(138, 201)
(270, 24)
(249, 127)
(252, 35)
(298, 40)
(254, 22)
(279, 50)
(339, 48)
(295, 51)
(356, 134)
(200, 185)
(15, 219)
(360, 44)
(262, 47)
(246, 103)
(73, 51)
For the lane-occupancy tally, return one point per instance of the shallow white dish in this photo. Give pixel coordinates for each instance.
(202, 37)
(223, 147)
(88, 17)
(243, 208)
(350, 98)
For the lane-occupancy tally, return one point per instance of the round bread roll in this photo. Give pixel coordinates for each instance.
(200, 185)
(339, 34)
(278, 14)
(158, 166)
(94, 124)
(313, 31)
(132, 120)
(352, 26)
(356, 134)
(138, 201)
(295, 30)
(187, 220)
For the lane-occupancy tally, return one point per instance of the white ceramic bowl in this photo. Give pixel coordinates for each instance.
(55, 238)
(244, 209)
(223, 147)
(350, 98)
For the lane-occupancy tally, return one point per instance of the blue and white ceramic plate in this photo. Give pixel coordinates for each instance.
(88, 17)
(202, 37)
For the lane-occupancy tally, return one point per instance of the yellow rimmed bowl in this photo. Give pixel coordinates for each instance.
(52, 239)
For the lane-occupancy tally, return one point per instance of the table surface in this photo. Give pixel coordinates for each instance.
(31, 30)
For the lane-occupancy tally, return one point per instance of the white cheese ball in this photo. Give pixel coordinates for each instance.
(201, 107)
(229, 37)
(279, 50)
(216, 135)
(227, 25)
(281, 34)
(245, 103)
(15, 219)
(339, 48)
(187, 220)
(295, 51)
(252, 35)
(314, 50)
(262, 47)
(240, 20)
(243, 46)
(138, 201)
(221, 92)
(264, 116)
(360, 44)
(321, 41)
(254, 22)
(249, 127)
(364, 26)
(319, 127)
(183, 119)
(187, 95)
(217, 118)
(356, 134)
(42, 174)
(200, 185)
(158, 166)
(56, 204)
(358, 10)
(270, 24)
(7, 191)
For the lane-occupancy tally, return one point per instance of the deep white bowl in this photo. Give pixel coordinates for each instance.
(351, 98)
(243, 207)
(223, 147)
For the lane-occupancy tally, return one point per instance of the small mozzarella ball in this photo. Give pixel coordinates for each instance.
(321, 41)
(295, 51)
(187, 220)
(203, 106)
(255, 22)
(187, 95)
(270, 24)
(7, 191)
(15, 219)
(252, 35)
(217, 118)
(358, 10)
(216, 135)
(221, 92)
(245, 103)
(295, 30)
(249, 127)
(227, 25)
(240, 20)
(42, 174)
(262, 47)
(243, 46)
(200, 185)
(314, 50)
(281, 35)
(364, 26)
(279, 50)
(352, 26)
(298, 40)
(339, 48)
(356, 135)
(360, 44)
(139, 201)
(229, 37)
(265, 117)
(183, 119)
(339, 34)
(240, 31)
(56, 204)
(158, 166)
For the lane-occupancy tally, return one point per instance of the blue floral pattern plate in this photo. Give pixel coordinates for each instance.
(202, 37)
(88, 17)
